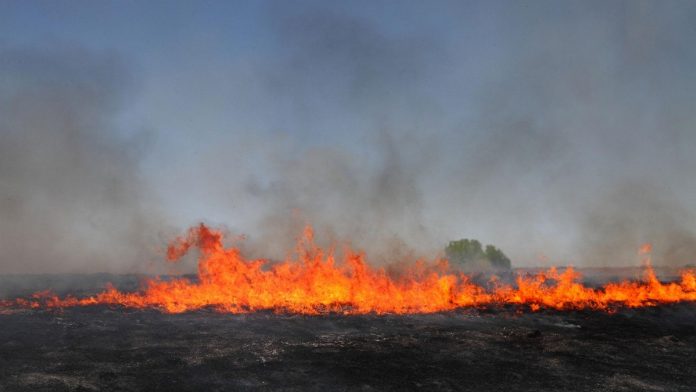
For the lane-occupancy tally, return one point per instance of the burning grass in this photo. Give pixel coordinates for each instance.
(314, 282)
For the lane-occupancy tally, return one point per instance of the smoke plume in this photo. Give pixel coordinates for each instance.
(72, 196)
(558, 132)
(577, 143)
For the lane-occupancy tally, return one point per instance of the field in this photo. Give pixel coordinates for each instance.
(495, 349)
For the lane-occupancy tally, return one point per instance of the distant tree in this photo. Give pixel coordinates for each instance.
(468, 252)
(464, 251)
(497, 257)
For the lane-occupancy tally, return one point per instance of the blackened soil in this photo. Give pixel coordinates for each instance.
(100, 348)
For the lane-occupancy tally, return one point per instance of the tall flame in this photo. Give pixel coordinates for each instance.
(315, 283)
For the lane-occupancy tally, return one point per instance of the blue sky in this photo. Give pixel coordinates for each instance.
(547, 128)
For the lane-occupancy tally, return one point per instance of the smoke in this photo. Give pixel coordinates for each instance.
(562, 129)
(547, 135)
(337, 71)
(579, 129)
(634, 214)
(581, 142)
(374, 207)
(72, 196)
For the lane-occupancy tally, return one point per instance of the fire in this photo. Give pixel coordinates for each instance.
(314, 282)
(645, 249)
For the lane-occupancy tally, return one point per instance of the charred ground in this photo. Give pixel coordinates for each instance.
(502, 349)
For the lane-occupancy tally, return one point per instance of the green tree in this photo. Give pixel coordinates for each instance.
(497, 257)
(467, 252)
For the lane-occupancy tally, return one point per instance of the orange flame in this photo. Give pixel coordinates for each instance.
(645, 249)
(317, 283)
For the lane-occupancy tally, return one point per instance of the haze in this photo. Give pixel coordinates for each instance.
(561, 132)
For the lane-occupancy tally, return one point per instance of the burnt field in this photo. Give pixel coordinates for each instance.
(98, 348)
(504, 349)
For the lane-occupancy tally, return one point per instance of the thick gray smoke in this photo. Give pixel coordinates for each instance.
(372, 208)
(559, 130)
(594, 119)
(579, 143)
(72, 198)
(364, 189)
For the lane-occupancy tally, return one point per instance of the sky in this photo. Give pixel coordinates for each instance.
(561, 132)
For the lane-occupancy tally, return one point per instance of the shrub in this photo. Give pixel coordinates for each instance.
(467, 252)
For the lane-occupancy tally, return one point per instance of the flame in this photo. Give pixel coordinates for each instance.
(315, 282)
(645, 249)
